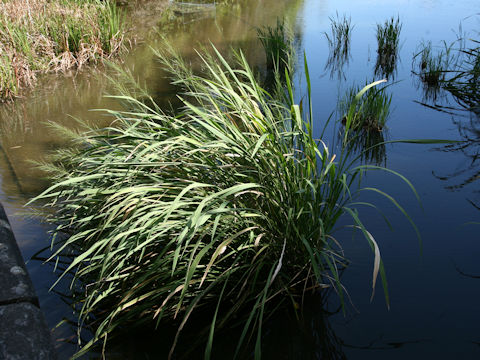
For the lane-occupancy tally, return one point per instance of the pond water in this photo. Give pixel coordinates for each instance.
(433, 303)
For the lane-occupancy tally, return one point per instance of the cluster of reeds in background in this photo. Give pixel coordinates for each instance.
(451, 68)
(364, 113)
(369, 111)
(388, 44)
(39, 35)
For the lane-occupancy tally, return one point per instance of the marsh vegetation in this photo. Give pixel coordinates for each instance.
(277, 43)
(339, 44)
(368, 109)
(38, 36)
(210, 219)
(388, 44)
(228, 207)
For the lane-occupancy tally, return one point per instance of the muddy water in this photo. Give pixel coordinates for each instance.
(434, 305)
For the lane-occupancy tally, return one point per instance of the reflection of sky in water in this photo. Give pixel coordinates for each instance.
(434, 308)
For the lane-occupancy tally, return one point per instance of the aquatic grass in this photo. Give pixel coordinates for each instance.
(432, 67)
(464, 85)
(278, 45)
(388, 44)
(227, 208)
(8, 81)
(338, 44)
(40, 36)
(368, 109)
(452, 68)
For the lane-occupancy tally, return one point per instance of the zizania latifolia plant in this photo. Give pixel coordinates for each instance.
(278, 45)
(464, 84)
(365, 108)
(227, 208)
(432, 67)
(388, 44)
(451, 69)
(339, 44)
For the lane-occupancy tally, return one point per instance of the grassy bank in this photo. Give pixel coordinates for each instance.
(54, 35)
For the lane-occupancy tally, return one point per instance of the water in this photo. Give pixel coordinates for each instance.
(433, 310)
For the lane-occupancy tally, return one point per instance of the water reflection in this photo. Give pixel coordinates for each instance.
(24, 133)
(388, 44)
(307, 334)
(450, 80)
(338, 45)
(289, 334)
(369, 144)
(469, 131)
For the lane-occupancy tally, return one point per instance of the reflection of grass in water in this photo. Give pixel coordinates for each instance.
(454, 68)
(388, 43)
(370, 145)
(451, 72)
(339, 44)
(15, 125)
(465, 83)
(470, 148)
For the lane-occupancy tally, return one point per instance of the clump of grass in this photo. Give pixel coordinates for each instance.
(432, 67)
(339, 43)
(228, 207)
(388, 44)
(464, 85)
(278, 45)
(41, 35)
(452, 68)
(430, 71)
(366, 108)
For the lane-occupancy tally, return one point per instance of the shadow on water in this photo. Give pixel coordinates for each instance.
(290, 334)
(296, 331)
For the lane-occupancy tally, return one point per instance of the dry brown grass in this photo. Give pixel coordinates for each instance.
(54, 35)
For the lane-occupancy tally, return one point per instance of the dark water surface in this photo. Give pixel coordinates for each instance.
(434, 309)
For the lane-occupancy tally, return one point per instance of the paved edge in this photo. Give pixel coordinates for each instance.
(24, 334)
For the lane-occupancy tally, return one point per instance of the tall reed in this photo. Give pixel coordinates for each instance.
(227, 208)
(278, 45)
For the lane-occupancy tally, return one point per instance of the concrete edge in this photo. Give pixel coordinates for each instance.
(23, 330)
